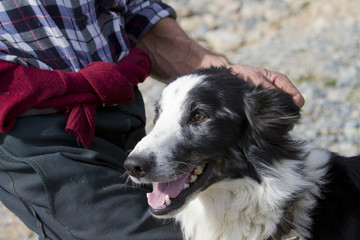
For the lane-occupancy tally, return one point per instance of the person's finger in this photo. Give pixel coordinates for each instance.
(299, 100)
(282, 82)
(270, 79)
(251, 74)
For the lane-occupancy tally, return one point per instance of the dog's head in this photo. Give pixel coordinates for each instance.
(210, 125)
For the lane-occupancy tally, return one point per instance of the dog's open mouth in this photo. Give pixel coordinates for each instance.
(169, 196)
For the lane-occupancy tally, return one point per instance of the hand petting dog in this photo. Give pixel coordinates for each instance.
(183, 56)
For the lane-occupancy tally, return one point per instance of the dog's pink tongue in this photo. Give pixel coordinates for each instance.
(173, 189)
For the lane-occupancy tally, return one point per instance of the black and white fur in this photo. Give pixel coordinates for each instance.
(254, 166)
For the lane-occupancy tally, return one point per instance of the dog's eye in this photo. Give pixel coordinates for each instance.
(197, 117)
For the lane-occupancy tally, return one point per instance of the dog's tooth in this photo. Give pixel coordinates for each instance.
(147, 195)
(161, 207)
(167, 200)
(193, 178)
(199, 170)
(186, 186)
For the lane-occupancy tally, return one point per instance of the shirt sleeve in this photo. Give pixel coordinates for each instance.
(141, 15)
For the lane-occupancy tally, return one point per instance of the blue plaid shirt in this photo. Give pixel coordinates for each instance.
(68, 35)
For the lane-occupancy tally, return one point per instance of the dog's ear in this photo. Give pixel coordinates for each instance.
(270, 111)
(271, 114)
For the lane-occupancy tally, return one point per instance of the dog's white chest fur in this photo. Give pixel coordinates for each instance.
(244, 209)
(221, 213)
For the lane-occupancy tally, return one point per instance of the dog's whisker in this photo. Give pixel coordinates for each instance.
(189, 165)
(125, 174)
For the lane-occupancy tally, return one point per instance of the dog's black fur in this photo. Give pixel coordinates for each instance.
(337, 214)
(250, 125)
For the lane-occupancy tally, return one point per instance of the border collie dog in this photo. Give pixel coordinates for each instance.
(224, 163)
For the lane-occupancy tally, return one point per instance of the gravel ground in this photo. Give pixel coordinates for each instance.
(11, 228)
(316, 43)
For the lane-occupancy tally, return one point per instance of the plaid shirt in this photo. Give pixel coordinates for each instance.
(68, 35)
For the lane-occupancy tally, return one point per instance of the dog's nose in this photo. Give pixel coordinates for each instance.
(137, 166)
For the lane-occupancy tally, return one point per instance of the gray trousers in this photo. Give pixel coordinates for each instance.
(63, 191)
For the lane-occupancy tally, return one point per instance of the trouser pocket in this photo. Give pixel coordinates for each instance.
(23, 178)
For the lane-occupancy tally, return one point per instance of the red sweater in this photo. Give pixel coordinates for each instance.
(77, 94)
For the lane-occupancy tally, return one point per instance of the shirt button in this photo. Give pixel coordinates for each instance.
(85, 18)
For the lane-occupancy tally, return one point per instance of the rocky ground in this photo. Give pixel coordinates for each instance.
(316, 43)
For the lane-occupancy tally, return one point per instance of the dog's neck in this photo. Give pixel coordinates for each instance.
(231, 210)
(285, 225)
(245, 209)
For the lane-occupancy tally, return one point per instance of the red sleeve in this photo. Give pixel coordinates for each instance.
(22, 88)
(113, 82)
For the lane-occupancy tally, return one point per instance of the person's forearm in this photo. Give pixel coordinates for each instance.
(173, 53)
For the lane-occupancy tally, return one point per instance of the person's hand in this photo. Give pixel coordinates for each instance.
(173, 53)
(256, 75)
(269, 79)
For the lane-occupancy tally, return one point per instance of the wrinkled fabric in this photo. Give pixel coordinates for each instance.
(77, 94)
